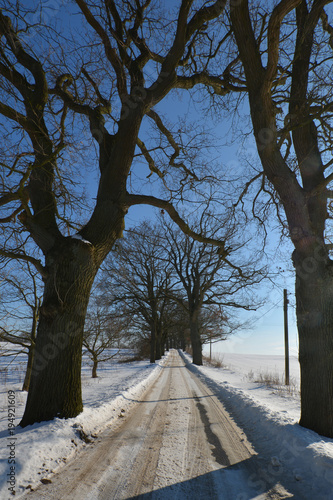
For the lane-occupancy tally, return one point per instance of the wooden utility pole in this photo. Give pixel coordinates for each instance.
(286, 341)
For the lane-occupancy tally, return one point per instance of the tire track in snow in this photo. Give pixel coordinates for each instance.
(178, 441)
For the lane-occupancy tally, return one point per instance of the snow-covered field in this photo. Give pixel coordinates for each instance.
(269, 416)
(258, 366)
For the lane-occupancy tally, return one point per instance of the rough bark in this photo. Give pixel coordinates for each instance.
(71, 265)
(314, 297)
(55, 386)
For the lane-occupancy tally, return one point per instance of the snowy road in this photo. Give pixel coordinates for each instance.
(178, 441)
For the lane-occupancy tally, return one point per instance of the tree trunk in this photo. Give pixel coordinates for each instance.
(55, 386)
(195, 341)
(94, 369)
(182, 341)
(158, 347)
(314, 299)
(164, 342)
(305, 204)
(152, 343)
(27, 377)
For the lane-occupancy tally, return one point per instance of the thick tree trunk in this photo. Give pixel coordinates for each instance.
(314, 299)
(55, 386)
(196, 342)
(27, 377)
(305, 204)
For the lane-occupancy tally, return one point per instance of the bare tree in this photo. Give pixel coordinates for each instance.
(175, 325)
(43, 90)
(208, 279)
(215, 325)
(102, 332)
(286, 56)
(136, 276)
(20, 307)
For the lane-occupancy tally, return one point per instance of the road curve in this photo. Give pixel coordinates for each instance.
(178, 441)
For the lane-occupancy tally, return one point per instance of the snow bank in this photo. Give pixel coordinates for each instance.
(269, 418)
(41, 449)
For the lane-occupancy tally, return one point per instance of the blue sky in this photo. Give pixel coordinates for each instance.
(267, 334)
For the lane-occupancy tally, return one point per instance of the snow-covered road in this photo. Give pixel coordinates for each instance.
(178, 441)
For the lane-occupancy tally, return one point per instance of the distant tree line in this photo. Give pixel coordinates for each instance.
(172, 290)
(157, 289)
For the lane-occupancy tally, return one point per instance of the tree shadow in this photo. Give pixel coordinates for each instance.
(9, 475)
(243, 481)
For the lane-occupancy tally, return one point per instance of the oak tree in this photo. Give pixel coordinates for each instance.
(137, 277)
(127, 59)
(210, 281)
(286, 65)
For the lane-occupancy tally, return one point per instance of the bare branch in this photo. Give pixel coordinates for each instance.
(157, 119)
(23, 57)
(110, 52)
(273, 37)
(13, 114)
(12, 216)
(327, 27)
(152, 166)
(134, 199)
(27, 258)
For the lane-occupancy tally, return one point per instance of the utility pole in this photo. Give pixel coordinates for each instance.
(286, 341)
